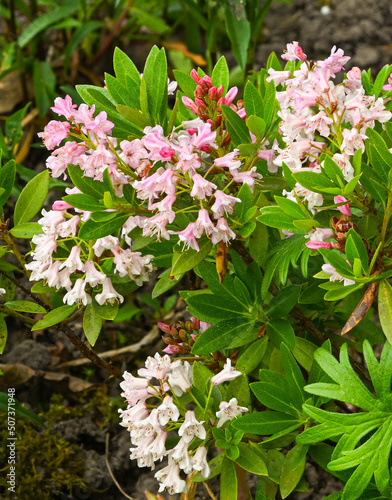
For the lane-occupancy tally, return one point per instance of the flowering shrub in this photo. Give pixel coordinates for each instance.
(278, 207)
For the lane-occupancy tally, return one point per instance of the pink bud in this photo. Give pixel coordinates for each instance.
(344, 209)
(314, 245)
(195, 76)
(354, 73)
(164, 327)
(190, 104)
(213, 94)
(60, 205)
(299, 53)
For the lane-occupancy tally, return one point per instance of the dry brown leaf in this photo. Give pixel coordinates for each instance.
(181, 47)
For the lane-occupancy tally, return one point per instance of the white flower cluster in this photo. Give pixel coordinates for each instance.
(150, 424)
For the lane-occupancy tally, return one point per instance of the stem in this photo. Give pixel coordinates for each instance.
(387, 216)
(208, 400)
(15, 314)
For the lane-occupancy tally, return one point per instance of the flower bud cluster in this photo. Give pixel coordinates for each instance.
(181, 336)
(155, 410)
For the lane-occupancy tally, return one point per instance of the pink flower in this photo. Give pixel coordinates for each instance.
(188, 237)
(167, 411)
(228, 161)
(93, 276)
(228, 373)
(352, 141)
(335, 276)
(50, 221)
(179, 455)
(54, 133)
(64, 107)
(227, 411)
(60, 206)
(222, 232)
(201, 187)
(278, 77)
(204, 138)
(344, 209)
(293, 52)
(224, 203)
(203, 223)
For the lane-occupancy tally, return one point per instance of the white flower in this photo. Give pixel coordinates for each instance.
(2, 291)
(179, 455)
(180, 377)
(191, 427)
(157, 366)
(77, 294)
(157, 448)
(229, 410)
(169, 477)
(108, 293)
(167, 411)
(93, 276)
(199, 461)
(228, 373)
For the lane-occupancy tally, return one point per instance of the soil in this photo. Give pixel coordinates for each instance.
(363, 29)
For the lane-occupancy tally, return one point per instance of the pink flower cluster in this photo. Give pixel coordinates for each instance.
(313, 107)
(149, 423)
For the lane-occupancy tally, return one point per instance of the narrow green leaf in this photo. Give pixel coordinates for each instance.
(32, 198)
(251, 460)
(84, 202)
(25, 306)
(3, 334)
(220, 74)
(7, 179)
(293, 469)
(226, 334)
(280, 330)
(85, 184)
(238, 30)
(266, 423)
(191, 258)
(54, 317)
(165, 283)
(236, 126)
(385, 308)
(252, 356)
(252, 101)
(228, 480)
(124, 66)
(92, 230)
(43, 22)
(26, 230)
(92, 324)
(283, 302)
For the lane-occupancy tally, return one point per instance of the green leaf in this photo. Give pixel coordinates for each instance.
(293, 469)
(283, 302)
(338, 262)
(7, 179)
(44, 80)
(333, 171)
(25, 306)
(54, 317)
(296, 210)
(238, 29)
(154, 86)
(123, 67)
(273, 392)
(165, 283)
(256, 125)
(191, 258)
(239, 389)
(226, 334)
(252, 101)
(32, 198)
(210, 308)
(220, 74)
(385, 308)
(252, 356)
(26, 230)
(79, 35)
(316, 183)
(274, 217)
(43, 22)
(267, 423)
(106, 311)
(294, 377)
(251, 460)
(92, 230)
(133, 115)
(186, 83)
(228, 480)
(355, 248)
(92, 324)
(20, 411)
(85, 184)
(84, 202)
(279, 330)
(236, 126)
(3, 334)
